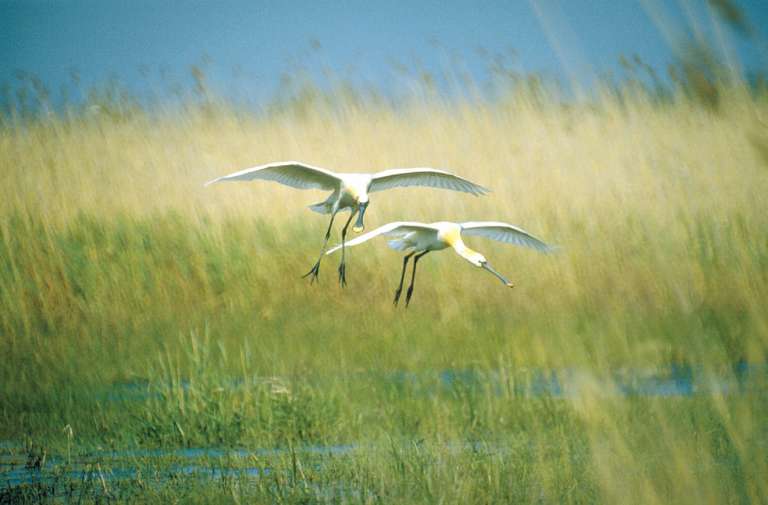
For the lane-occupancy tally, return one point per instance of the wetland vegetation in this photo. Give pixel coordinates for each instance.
(159, 343)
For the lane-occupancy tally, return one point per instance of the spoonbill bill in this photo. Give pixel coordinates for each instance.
(421, 238)
(349, 191)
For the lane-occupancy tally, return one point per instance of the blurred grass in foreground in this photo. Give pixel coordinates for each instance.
(118, 266)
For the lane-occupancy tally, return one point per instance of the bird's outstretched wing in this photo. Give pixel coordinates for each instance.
(504, 232)
(431, 177)
(396, 228)
(291, 173)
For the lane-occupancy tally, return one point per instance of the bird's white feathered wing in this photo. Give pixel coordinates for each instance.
(430, 177)
(291, 173)
(396, 228)
(504, 232)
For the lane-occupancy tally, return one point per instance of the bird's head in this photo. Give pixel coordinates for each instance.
(474, 257)
(453, 237)
(362, 204)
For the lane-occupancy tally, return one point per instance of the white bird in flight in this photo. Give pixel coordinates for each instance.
(349, 191)
(421, 238)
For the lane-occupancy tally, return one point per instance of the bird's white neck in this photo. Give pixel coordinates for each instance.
(465, 252)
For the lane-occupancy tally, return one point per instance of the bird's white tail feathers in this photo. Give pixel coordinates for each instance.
(321, 208)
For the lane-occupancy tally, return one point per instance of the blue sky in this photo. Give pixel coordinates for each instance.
(248, 45)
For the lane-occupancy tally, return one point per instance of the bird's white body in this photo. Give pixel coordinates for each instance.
(440, 236)
(353, 189)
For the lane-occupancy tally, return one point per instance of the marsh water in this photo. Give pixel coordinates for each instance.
(18, 467)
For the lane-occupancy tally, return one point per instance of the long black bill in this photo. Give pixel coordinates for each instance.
(488, 267)
(359, 226)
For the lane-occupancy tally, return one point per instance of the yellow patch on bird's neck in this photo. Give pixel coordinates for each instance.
(452, 237)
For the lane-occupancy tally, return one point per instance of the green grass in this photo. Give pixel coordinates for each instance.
(140, 310)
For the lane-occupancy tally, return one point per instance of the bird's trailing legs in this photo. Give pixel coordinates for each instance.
(413, 278)
(343, 265)
(316, 268)
(402, 277)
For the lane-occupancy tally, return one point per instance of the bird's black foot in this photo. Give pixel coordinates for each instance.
(342, 274)
(408, 296)
(397, 296)
(314, 273)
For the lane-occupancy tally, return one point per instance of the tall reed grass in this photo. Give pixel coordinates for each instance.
(113, 254)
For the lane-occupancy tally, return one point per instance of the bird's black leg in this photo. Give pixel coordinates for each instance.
(402, 277)
(316, 268)
(413, 278)
(343, 265)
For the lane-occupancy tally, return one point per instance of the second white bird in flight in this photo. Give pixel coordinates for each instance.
(349, 191)
(421, 238)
